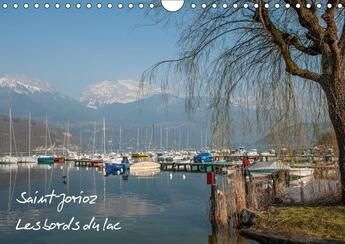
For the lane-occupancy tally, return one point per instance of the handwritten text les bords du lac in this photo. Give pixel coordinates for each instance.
(73, 223)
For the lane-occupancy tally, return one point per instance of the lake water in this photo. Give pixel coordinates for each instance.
(162, 208)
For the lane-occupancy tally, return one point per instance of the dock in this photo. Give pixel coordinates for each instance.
(219, 168)
(86, 162)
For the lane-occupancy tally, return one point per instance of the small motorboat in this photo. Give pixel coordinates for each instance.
(59, 159)
(203, 157)
(140, 155)
(96, 162)
(45, 160)
(114, 168)
(145, 168)
(240, 152)
(8, 160)
(301, 172)
(206, 158)
(267, 168)
(253, 153)
(27, 159)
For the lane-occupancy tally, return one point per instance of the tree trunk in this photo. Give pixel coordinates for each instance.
(342, 169)
(335, 93)
(340, 134)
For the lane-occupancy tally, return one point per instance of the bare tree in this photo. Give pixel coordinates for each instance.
(283, 61)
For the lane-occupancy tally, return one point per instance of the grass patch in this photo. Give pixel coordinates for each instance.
(316, 221)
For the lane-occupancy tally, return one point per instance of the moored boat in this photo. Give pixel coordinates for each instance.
(96, 162)
(269, 167)
(45, 160)
(301, 172)
(140, 155)
(27, 159)
(59, 159)
(252, 153)
(8, 160)
(144, 166)
(239, 152)
(203, 157)
(116, 168)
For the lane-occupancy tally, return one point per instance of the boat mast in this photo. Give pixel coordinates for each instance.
(80, 138)
(104, 146)
(120, 138)
(138, 132)
(167, 138)
(160, 137)
(10, 132)
(46, 136)
(201, 140)
(68, 136)
(94, 139)
(64, 144)
(153, 138)
(29, 134)
(187, 143)
(146, 139)
(50, 139)
(179, 138)
(206, 139)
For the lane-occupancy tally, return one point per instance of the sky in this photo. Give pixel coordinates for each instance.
(72, 48)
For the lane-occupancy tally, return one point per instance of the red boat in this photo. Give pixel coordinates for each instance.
(59, 160)
(96, 162)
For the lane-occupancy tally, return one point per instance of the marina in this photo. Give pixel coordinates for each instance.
(196, 191)
(172, 122)
(187, 161)
(146, 190)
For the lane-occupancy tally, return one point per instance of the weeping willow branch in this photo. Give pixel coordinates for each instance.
(269, 61)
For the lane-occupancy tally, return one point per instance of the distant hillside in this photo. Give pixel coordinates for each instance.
(117, 103)
(110, 92)
(24, 95)
(21, 132)
(305, 134)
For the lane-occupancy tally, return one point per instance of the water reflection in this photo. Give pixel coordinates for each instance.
(154, 209)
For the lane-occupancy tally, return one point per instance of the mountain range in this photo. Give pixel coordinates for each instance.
(110, 92)
(116, 101)
(119, 102)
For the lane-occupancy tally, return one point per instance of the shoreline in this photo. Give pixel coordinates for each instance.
(270, 237)
(298, 224)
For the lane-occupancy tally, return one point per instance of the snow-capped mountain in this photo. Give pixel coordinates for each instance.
(25, 85)
(25, 94)
(116, 101)
(121, 91)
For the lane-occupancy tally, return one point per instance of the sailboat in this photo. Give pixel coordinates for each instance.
(46, 159)
(30, 158)
(113, 165)
(108, 158)
(70, 154)
(139, 154)
(9, 159)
